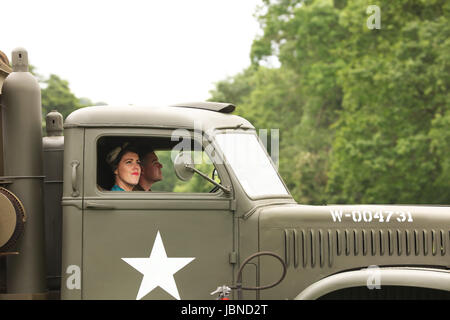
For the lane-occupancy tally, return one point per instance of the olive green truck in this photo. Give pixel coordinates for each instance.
(65, 235)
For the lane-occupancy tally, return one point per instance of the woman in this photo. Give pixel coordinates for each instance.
(125, 164)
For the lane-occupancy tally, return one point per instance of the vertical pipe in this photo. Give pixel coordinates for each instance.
(53, 146)
(22, 141)
(5, 70)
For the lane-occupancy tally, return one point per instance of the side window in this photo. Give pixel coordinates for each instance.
(118, 160)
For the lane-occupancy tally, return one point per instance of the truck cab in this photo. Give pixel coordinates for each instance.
(103, 228)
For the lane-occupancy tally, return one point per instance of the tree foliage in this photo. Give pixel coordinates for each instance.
(363, 113)
(56, 95)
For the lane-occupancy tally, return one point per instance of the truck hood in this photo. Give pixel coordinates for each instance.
(323, 240)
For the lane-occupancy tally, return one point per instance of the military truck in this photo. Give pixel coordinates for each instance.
(64, 234)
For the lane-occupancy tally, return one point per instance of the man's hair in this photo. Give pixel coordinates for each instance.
(144, 152)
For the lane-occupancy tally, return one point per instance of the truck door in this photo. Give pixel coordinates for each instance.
(152, 245)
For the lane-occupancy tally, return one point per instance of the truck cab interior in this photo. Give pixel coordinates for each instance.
(166, 150)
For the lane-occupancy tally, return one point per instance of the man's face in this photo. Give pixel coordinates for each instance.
(151, 168)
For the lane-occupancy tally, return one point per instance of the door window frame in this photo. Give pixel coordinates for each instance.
(91, 190)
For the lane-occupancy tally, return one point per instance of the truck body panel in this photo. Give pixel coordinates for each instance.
(315, 242)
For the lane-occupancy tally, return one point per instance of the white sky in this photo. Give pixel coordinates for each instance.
(142, 52)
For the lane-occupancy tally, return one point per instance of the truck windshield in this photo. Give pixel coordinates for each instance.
(251, 164)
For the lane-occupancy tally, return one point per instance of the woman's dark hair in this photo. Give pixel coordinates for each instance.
(113, 158)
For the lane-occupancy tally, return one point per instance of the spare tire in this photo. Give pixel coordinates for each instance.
(12, 220)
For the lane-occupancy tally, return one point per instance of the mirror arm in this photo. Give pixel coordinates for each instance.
(225, 189)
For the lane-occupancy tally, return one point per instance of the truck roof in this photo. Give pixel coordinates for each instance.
(160, 117)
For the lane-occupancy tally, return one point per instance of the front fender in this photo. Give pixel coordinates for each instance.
(398, 276)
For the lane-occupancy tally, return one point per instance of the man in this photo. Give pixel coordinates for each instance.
(151, 171)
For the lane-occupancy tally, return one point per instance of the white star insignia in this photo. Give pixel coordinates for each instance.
(158, 270)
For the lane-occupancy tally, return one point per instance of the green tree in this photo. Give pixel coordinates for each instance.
(395, 85)
(363, 114)
(57, 96)
(301, 98)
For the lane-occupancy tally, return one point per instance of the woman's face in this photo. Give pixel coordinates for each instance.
(128, 171)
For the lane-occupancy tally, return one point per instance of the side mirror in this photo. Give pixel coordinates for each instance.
(185, 169)
(183, 165)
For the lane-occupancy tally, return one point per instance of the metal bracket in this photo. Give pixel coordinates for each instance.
(226, 189)
(233, 257)
(4, 182)
(233, 205)
(8, 253)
